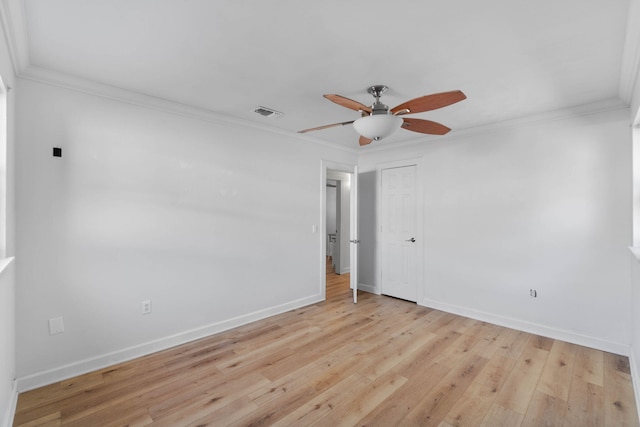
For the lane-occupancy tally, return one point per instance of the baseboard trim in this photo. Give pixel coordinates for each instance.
(530, 327)
(7, 418)
(367, 288)
(71, 370)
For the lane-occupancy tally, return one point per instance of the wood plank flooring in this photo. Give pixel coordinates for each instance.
(382, 362)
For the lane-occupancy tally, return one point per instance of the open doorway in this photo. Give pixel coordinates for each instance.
(338, 215)
(339, 229)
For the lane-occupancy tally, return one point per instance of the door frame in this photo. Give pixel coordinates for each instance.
(326, 165)
(417, 162)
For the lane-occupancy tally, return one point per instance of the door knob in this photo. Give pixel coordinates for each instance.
(412, 240)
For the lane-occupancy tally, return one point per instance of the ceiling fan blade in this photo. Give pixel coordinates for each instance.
(326, 126)
(429, 102)
(424, 126)
(364, 141)
(348, 103)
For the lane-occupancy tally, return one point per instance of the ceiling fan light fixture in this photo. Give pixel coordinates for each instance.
(377, 126)
(379, 121)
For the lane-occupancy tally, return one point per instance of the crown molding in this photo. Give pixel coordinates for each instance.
(14, 26)
(630, 71)
(78, 84)
(612, 104)
(90, 87)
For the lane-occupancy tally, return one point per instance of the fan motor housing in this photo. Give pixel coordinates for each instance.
(378, 107)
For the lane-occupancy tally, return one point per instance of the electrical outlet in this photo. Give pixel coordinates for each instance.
(56, 326)
(533, 293)
(146, 306)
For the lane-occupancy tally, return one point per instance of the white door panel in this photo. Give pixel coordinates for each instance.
(397, 229)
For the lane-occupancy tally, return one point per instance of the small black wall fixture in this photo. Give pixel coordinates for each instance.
(57, 152)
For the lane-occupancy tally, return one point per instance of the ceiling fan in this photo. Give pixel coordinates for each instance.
(378, 121)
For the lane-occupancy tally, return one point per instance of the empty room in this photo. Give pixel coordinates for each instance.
(420, 213)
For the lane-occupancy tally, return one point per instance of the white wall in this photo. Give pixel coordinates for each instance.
(149, 205)
(634, 15)
(8, 393)
(635, 266)
(543, 205)
(635, 326)
(633, 38)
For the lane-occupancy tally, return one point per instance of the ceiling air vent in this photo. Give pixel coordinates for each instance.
(268, 112)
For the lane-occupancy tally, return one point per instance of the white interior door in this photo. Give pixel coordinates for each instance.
(354, 241)
(398, 263)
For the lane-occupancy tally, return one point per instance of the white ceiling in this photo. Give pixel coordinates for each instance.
(512, 58)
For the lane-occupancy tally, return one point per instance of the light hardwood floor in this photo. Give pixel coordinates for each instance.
(382, 362)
